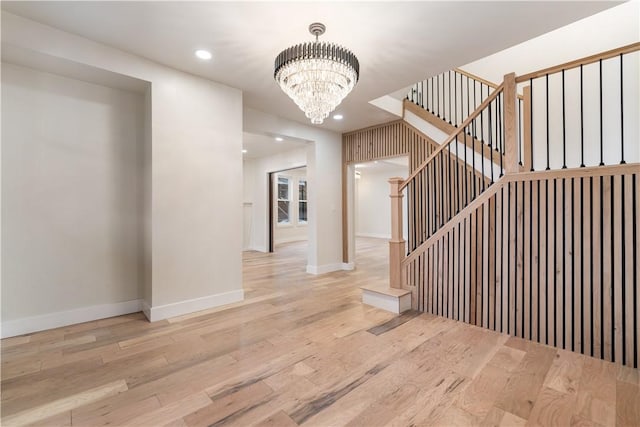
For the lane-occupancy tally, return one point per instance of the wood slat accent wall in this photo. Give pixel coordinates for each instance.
(393, 139)
(431, 199)
(546, 256)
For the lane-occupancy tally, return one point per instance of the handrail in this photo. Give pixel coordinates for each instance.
(454, 221)
(578, 62)
(453, 135)
(474, 77)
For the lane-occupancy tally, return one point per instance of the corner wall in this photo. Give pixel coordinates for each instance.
(71, 175)
(192, 167)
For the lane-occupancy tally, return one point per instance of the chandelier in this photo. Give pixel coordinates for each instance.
(316, 75)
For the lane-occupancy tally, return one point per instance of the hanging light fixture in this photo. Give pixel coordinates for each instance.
(316, 75)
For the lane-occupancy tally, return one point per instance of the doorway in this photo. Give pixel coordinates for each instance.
(287, 207)
(370, 205)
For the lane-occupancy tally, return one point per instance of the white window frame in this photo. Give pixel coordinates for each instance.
(305, 201)
(290, 222)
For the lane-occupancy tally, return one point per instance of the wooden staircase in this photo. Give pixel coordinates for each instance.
(522, 220)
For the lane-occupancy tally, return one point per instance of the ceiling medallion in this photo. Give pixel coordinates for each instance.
(316, 75)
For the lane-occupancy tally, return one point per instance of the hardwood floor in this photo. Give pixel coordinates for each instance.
(303, 350)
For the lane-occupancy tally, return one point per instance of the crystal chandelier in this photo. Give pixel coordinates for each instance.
(316, 75)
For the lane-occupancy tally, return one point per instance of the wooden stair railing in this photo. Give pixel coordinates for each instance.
(447, 180)
(547, 255)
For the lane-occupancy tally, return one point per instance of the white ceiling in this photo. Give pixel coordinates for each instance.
(397, 43)
(266, 145)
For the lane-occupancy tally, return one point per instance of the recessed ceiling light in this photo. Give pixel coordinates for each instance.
(203, 54)
(279, 139)
(244, 151)
(337, 117)
(358, 166)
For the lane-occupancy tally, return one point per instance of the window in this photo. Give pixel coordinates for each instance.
(284, 201)
(302, 200)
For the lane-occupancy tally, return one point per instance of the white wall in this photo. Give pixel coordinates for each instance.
(71, 175)
(294, 231)
(195, 163)
(324, 173)
(373, 204)
(610, 29)
(248, 173)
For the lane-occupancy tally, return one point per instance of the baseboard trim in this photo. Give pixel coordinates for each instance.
(328, 268)
(166, 311)
(27, 325)
(374, 235)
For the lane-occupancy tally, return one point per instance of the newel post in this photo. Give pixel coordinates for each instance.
(397, 243)
(510, 124)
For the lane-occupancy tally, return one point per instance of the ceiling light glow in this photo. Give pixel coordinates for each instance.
(337, 117)
(244, 151)
(203, 54)
(279, 139)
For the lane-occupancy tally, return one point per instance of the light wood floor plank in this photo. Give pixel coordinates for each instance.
(302, 349)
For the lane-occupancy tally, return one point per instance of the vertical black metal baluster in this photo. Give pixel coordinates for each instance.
(555, 256)
(464, 269)
(482, 138)
(468, 99)
(441, 160)
(426, 95)
(482, 143)
(490, 137)
(473, 159)
(622, 162)
(538, 255)
(582, 265)
(475, 103)
(531, 124)
(602, 296)
(634, 247)
(591, 227)
(460, 261)
(509, 258)
(613, 289)
(601, 136)
(450, 100)
(457, 177)
(623, 273)
(581, 122)
(500, 131)
(422, 94)
(438, 94)
(547, 113)
(495, 261)
(564, 128)
(531, 258)
(546, 270)
(455, 97)
(564, 296)
(450, 188)
(573, 270)
(520, 132)
(444, 109)
(502, 281)
(466, 189)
